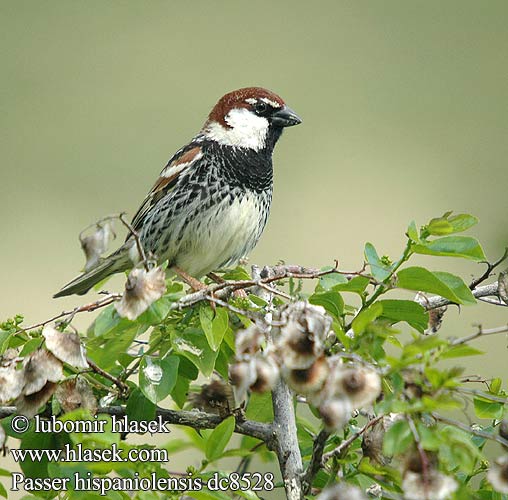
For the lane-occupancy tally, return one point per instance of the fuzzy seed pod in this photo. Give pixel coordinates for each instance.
(29, 405)
(498, 474)
(342, 491)
(248, 341)
(434, 485)
(310, 380)
(39, 368)
(66, 347)
(436, 319)
(96, 244)
(360, 385)
(11, 383)
(215, 397)
(142, 289)
(76, 393)
(267, 374)
(335, 413)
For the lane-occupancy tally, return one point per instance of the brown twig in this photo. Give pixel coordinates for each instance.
(337, 452)
(490, 268)
(315, 461)
(124, 388)
(135, 235)
(480, 333)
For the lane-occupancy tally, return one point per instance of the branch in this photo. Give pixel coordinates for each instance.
(480, 333)
(490, 268)
(194, 419)
(337, 452)
(437, 301)
(472, 430)
(315, 461)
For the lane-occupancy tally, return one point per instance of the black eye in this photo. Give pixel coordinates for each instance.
(261, 108)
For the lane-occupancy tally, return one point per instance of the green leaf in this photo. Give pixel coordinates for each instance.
(192, 344)
(139, 407)
(439, 227)
(444, 284)
(487, 409)
(157, 377)
(31, 346)
(452, 246)
(461, 222)
(329, 281)
(358, 284)
(379, 269)
(406, 310)
(260, 407)
(460, 351)
(412, 232)
(366, 317)
(397, 438)
(214, 324)
(219, 438)
(237, 274)
(331, 301)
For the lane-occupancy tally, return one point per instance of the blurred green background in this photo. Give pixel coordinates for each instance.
(405, 109)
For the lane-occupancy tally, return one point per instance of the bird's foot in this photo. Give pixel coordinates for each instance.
(239, 294)
(194, 283)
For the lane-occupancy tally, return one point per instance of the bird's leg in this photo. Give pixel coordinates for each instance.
(240, 293)
(194, 283)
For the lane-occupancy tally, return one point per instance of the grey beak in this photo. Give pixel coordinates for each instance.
(285, 117)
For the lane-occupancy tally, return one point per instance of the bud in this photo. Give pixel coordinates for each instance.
(142, 289)
(76, 393)
(66, 347)
(498, 474)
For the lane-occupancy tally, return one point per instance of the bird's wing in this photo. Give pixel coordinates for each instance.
(183, 160)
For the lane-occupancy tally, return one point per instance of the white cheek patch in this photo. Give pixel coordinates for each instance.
(246, 130)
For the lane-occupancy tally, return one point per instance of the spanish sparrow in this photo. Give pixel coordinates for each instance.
(211, 201)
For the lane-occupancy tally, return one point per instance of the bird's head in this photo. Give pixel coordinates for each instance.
(252, 118)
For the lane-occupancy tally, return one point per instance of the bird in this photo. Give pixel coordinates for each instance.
(211, 202)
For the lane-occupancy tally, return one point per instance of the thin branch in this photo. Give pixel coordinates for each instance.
(480, 333)
(472, 430)
(490, 268)
(109, 299)
(437, 301)
(423, 455)
(315, 461)
(137, 239)
(194, 419)
(337, 452)
(481, 394)
(124, 388)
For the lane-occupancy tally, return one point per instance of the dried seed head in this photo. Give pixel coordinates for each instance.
(361, 385)
(267, 374)
(248, 341)
(215, 397)
(503, 429)
(502, 286)
(11, 383)
(141, 290)
(335, 413)
(96, 244)
(498, 474)
(66, 347)
(29, 405)
(8, 357)
(342, 491)
(242, 375)
(76, 393)
(2, 437)
(310, 380)
(40, 367)
(436, 319)
(433, 485)
(372, 444)
(302, 338)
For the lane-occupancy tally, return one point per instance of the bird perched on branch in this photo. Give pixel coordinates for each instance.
(211, 201)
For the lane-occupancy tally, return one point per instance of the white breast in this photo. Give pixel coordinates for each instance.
(222, 236)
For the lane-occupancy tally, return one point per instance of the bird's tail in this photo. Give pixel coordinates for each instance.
(115, 263)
